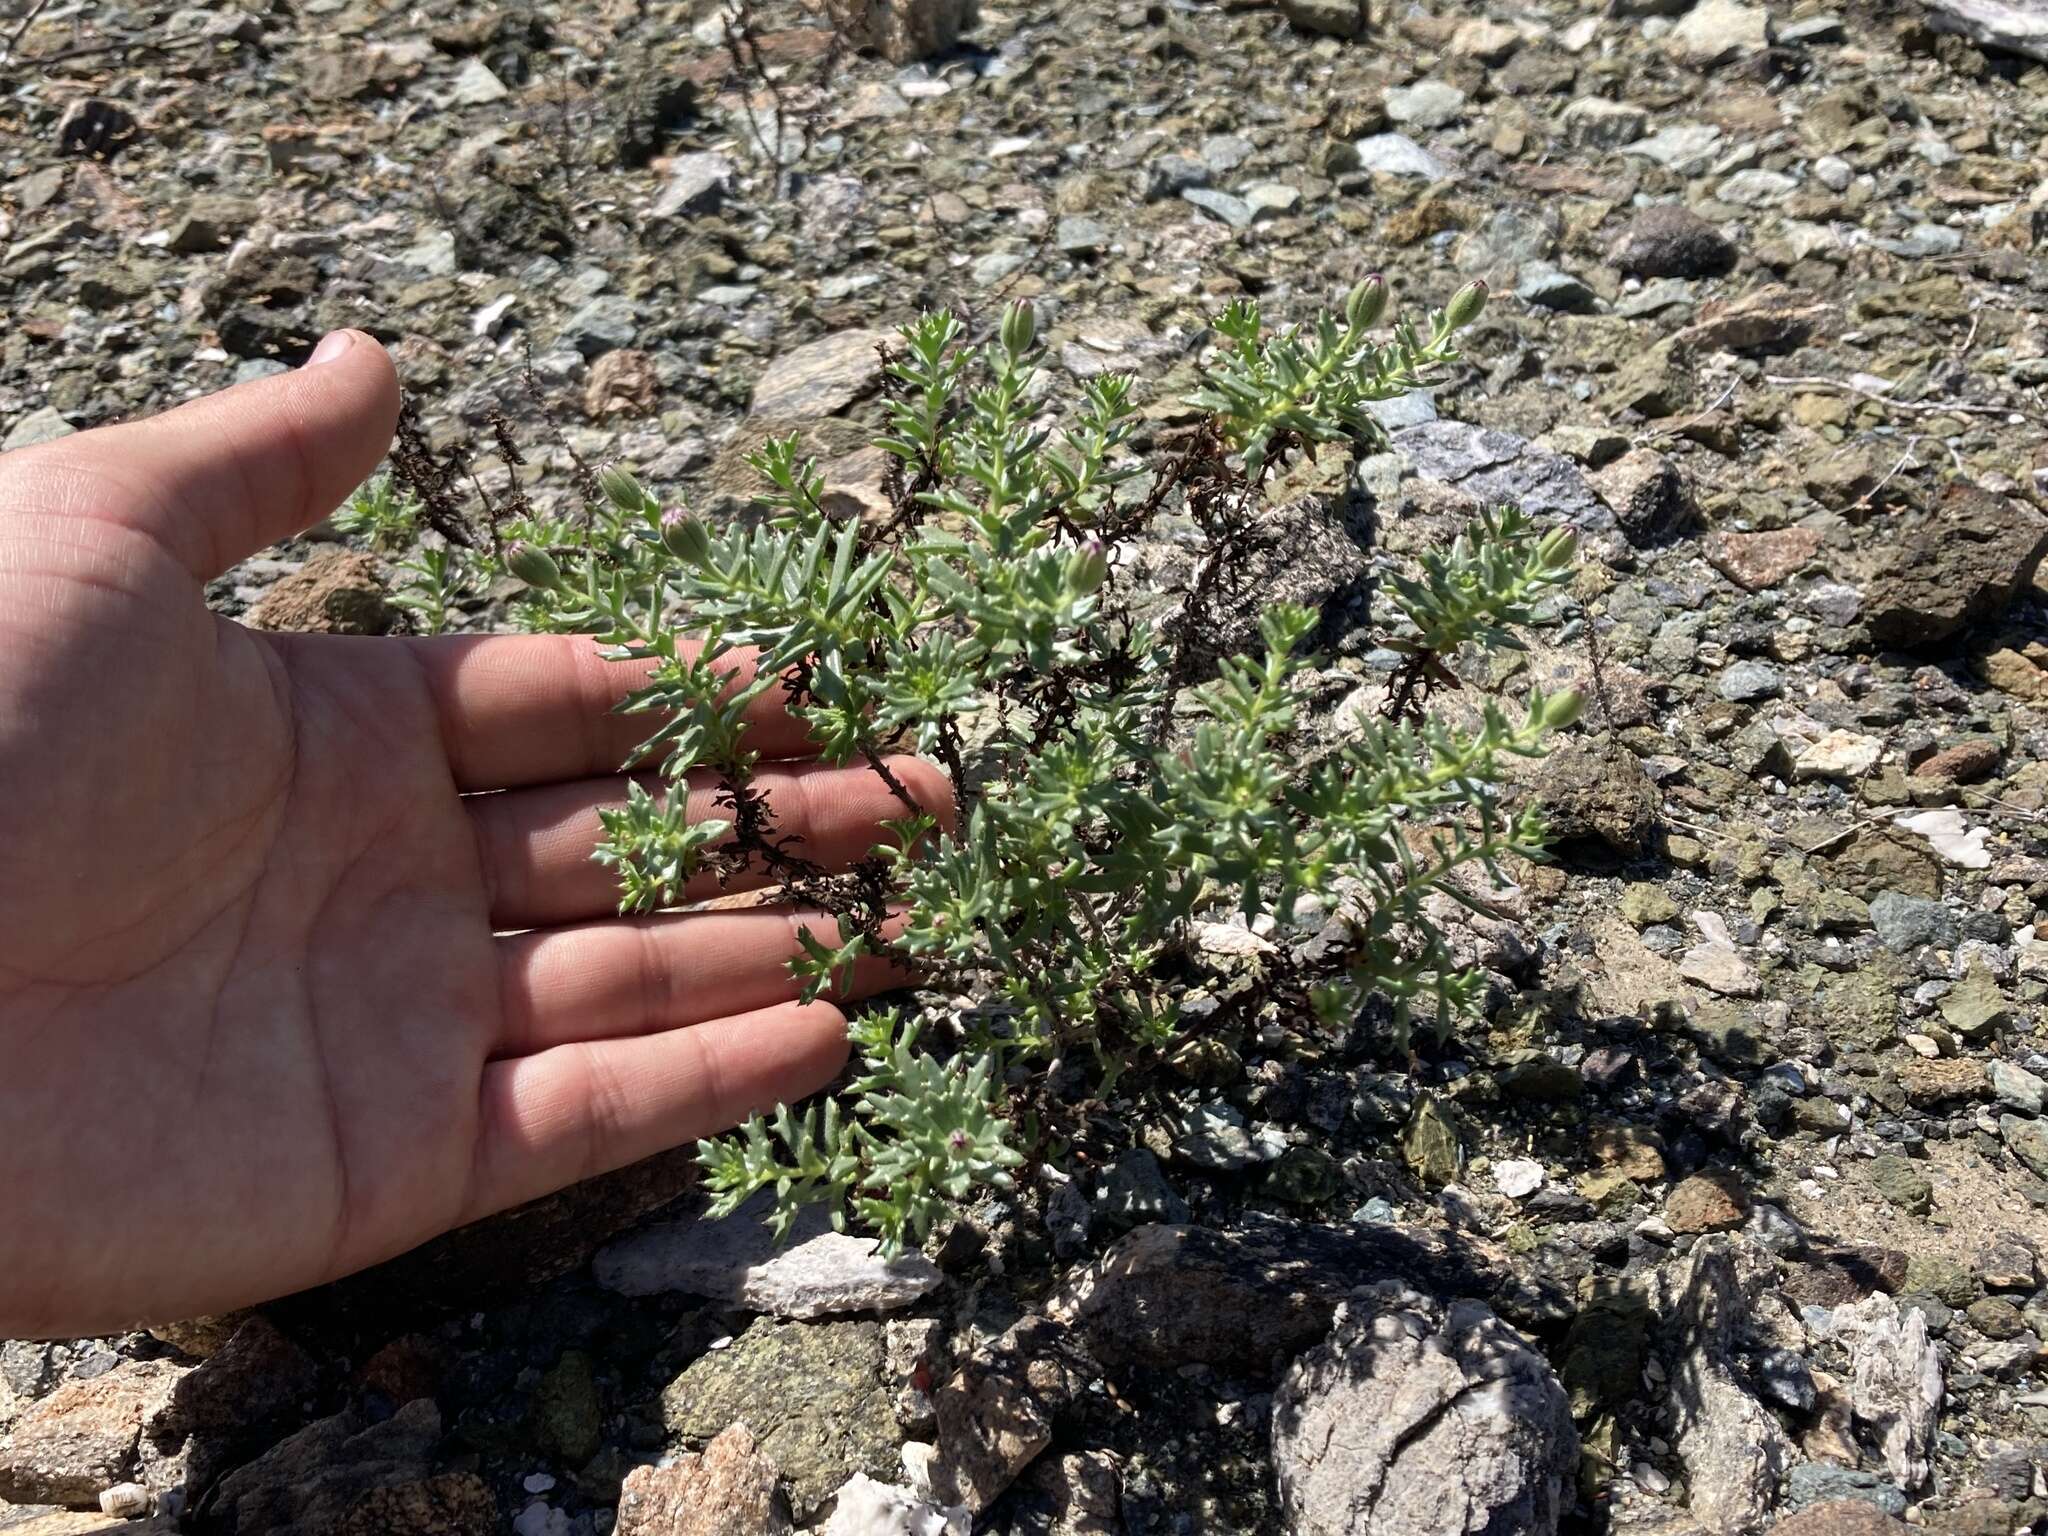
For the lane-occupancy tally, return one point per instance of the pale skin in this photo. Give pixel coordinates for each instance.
(303, 958)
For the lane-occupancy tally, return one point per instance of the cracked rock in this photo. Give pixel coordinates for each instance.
(1417, 1419)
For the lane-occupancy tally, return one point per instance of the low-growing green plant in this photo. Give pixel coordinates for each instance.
(383, 514)
(1107, 802)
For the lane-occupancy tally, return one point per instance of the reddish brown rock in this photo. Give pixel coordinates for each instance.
(1841, 1517)
(336, 592)
(1755, 561)
(1706, 1202)
(729, 1490)
(1965, 762)
(621, 383)
(85, 1435)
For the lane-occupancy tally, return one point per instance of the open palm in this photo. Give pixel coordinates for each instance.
(303, 958)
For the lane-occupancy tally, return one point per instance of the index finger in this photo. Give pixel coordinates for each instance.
(537, 709)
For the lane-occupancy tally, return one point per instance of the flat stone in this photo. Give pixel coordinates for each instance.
(40, 426)
(1838, 755)
(812, 1394)
(1234, 211)
(729, 1490)
(1747, 682)
(2016, 1087)
(477, 86)
(1706, 1202)
(1756, 188)
(697, 183)
(822, 378)
(817, 1273)
(1395, 154)
(1685, 149)
(1426, 104)
(1717, 32)
(1594, 122)
(1906, 922)
(1756, 562)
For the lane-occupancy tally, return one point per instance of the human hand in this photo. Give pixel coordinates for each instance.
(303, 957)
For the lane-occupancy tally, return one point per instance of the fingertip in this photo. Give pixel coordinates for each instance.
(355, 363)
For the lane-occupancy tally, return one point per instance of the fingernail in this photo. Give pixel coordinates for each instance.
(332, 345)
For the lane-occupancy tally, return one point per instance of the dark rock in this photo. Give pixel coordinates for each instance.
(1245, 1298)
(95, 127)
(342, 1477)
(1960, 564)
(1650, 496)
(1669, 240)
(1596, 788)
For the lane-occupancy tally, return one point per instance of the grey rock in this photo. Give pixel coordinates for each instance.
(1550, 287)
(2027, 1140)
(1821, 1482)
(607, 323)
(476, 86)
(1259, 1292)
(1171, 175)
(1756, 188)
(1493, 467)
(1079, 236)
(1395, 154)
(1897, 1386)
(1594, 122)
(1684, 149)
(2016, 1087)
(824, 377)
(1746, 682)
(1426, 104)
(1135, 1191)
(2010, 26)
(1223, 153)
(1420, 1419)
(1214, 1136)
(1719, 31)
(1906, 923)
(697, 183)
(998, 1411)
(39, 426)
(1512, 237)
(1732, 1446)
(1234, 211)
(815, 1273)
(343, 1474)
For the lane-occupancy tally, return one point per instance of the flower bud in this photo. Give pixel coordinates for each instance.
(1367, 302)
(1087, 567)
(1561, 709)
(621, 489)
(1558, 548)
(1020, 328)
(685, 536)
(1465, 305)
(535, 567)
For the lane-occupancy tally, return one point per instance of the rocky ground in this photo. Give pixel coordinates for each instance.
(1730, 1221)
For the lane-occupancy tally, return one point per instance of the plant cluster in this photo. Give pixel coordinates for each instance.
(1110, 798)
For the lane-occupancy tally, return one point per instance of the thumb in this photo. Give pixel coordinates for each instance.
(222, 477)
